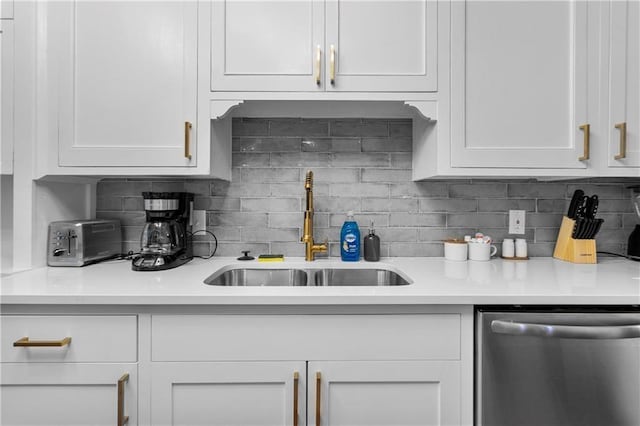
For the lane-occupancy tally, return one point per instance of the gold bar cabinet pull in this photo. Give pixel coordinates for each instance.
(332, 65)
(26, 343)
(187, 140)
(122, 419)
(623, 141)
(318, 62)
(318, 388)
(586, 128)
(296, 380)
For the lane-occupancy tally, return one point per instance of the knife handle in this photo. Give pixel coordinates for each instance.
(575, 202)
(591, 207)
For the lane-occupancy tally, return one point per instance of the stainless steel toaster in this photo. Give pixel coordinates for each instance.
(80, 242)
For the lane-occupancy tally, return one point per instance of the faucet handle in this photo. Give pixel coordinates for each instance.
(322, 247)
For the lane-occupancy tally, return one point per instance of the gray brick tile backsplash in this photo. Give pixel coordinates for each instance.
(387, 144)
(331, 144)
(400, 128)
(479, 190)
(265, 144)
(448, 205)
(357, 159)
(300, 159)
(249, 127)
(409, 205)
(493, 205)
(248, 175)
(361, 165)
(358, 127)
(109, 203)
(240, 159)
(385, 175)
(298, 127)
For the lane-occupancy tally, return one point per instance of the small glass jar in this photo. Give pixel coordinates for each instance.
(521, 247)
(508, 248)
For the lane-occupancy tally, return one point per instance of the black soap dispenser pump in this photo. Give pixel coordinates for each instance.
(372, 246)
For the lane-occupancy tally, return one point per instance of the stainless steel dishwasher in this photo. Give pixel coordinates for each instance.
(552, 367)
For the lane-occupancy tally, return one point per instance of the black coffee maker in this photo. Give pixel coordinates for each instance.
(633, 246)
(166, 240)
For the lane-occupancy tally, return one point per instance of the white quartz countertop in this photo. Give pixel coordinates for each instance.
(612, 281)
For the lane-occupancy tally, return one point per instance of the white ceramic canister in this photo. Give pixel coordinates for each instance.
(455, 250)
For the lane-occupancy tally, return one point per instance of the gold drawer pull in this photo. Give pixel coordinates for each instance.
(332, 65)
(623, 141)
(318, 387)
(122, 419)
(26, 343)
(296, 379)
(318, 62)
(586, 129)
(187, 140)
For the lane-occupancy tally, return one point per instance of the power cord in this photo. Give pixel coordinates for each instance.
(204, 231)
(626, 256)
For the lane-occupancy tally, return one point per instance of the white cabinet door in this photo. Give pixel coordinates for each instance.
(399, 393)
(123, 81)
(624, 84)
(6, 97)
(227, 393)
(519, 89)
(6, 9)
(381, 45)
(67, 394)
(266, 45)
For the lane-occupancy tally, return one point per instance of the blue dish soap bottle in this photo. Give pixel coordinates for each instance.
(350, 240)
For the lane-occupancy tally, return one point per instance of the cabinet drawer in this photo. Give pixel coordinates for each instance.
(308, 337)
(93, 338)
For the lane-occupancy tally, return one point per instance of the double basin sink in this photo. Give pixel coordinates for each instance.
(312, 277)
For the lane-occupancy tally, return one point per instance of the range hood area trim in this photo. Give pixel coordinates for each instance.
(224, 108)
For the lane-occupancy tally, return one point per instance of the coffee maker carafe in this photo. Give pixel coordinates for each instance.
(166, 237)
(633, 246)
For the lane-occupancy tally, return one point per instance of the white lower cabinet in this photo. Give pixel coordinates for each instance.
(68, 394)
(399, 393)
(334, 369)
(227, 393)
(271, 366)
(347, 393)
(68, 370)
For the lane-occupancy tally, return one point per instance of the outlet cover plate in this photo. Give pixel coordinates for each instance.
(199, 222)
(516, 221)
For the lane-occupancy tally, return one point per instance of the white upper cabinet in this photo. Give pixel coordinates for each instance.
(381, 46)
(122, 79)
(623, 117)
(6, 97)
(316, 45)
(266, 45)
(519, 88)
(6, 9)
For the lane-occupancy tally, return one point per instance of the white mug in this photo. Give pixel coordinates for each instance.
(482, 251)
(455, 250)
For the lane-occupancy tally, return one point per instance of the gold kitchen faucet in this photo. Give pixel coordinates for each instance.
(307, 231)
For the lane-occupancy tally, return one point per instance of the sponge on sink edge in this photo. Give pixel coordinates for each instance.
(271, 258)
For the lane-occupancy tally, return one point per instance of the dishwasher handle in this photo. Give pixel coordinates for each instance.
(566, 331)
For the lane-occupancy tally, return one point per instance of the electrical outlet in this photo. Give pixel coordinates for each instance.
(199, 220)
(516, 221)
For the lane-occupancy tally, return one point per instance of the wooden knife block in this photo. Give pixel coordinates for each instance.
(572, 250)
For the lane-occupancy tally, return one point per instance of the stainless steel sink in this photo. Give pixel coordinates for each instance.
(258, 277)
(244, 277)
(357, 277)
